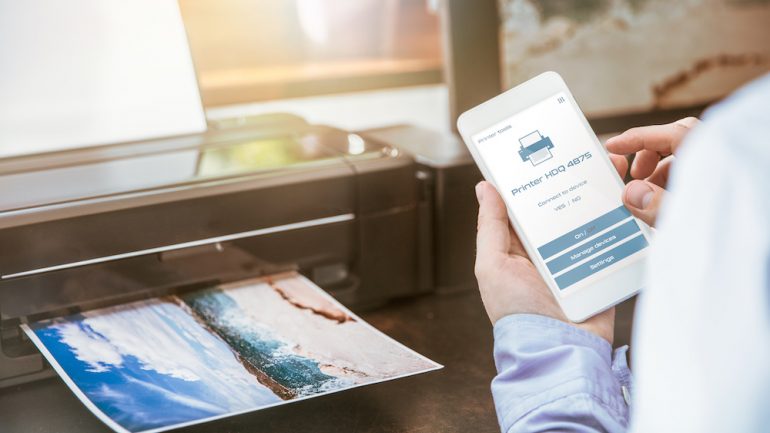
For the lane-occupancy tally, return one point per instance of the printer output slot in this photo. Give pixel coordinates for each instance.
(97, 283)
(185, 245)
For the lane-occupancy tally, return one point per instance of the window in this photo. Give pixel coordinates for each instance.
(247, 50)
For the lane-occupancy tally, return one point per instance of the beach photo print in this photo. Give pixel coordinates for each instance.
(169, 362)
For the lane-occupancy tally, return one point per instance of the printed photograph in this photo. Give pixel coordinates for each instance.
(157, 364)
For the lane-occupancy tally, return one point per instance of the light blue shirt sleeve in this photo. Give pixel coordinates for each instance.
(553, 376)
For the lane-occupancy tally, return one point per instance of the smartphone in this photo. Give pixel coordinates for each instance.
(562, 193)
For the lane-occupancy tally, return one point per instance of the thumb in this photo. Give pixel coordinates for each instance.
(643, 199)
(493, 236)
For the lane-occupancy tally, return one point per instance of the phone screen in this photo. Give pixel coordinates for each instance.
(561, 189)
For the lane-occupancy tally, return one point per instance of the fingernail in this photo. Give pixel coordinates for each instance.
(479, 192)
(639, 194)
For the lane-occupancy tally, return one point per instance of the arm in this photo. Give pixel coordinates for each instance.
(553, 376)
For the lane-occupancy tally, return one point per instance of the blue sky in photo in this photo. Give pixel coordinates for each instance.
(152, 366)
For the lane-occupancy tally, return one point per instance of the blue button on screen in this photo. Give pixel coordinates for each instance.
(601, 262)
(593, 246)
(583, 232)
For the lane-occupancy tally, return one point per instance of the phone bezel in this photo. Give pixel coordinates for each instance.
(598, 292)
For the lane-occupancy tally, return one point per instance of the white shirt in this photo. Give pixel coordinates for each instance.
(702, 337)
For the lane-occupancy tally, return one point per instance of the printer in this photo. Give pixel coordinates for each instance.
(368, 216)
(166, 200)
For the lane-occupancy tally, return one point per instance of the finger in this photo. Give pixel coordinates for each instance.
(688, 122)
(621, 164)
(493, 236)
(643, 200)
(663, 139)
(644, 163)
(660, 175)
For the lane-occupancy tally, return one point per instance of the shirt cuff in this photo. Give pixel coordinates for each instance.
(533, 331)
(541, 360)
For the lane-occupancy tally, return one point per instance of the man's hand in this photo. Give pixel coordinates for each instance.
(508, 281)
(654, 147)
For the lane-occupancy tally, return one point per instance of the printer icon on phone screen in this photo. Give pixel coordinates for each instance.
(535, 148)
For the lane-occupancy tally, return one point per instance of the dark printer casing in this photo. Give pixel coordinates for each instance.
(352, 214)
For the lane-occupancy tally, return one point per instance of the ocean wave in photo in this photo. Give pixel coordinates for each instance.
(300, 338)
(261, 349)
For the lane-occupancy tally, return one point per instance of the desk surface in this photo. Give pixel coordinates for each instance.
(451, 329)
